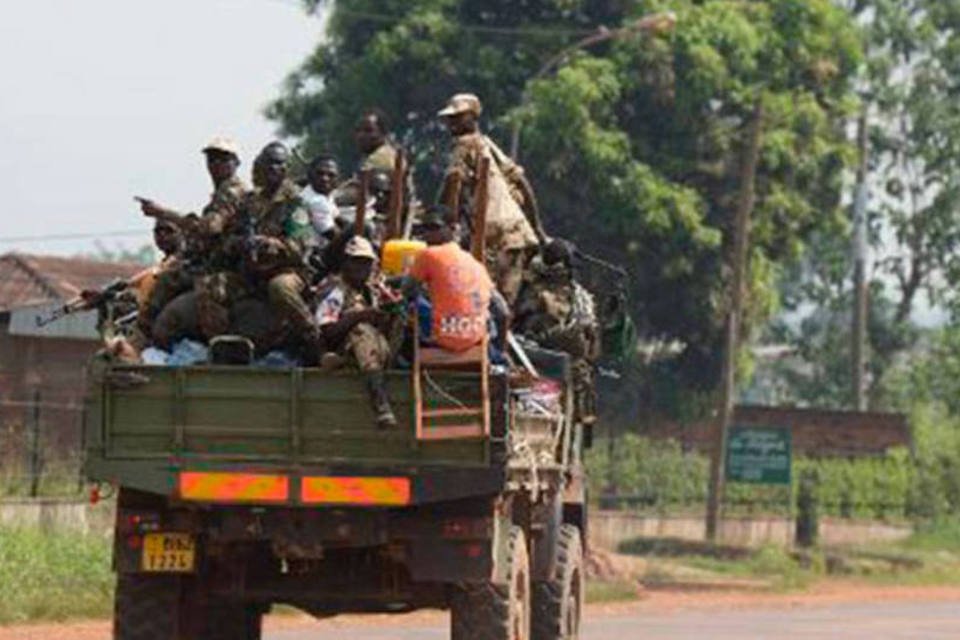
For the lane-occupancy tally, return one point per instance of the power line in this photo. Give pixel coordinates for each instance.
(77, 236)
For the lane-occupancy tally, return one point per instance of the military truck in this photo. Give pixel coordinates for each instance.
(242, 487)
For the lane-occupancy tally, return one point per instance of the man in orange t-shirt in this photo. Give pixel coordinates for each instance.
(459, 288)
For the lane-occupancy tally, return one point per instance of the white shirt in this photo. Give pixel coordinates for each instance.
(322, 210)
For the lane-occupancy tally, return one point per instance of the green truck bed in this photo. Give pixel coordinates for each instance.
(148, 425)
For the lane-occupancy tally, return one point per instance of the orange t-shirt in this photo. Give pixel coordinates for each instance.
(459, 289)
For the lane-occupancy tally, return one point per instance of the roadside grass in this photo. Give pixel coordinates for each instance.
(942, 534)
(602, 591)
(930, 557)
(53, 576)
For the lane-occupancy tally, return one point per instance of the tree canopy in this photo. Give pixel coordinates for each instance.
(633, 145)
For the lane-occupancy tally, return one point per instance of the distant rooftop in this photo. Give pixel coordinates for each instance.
(27, 279)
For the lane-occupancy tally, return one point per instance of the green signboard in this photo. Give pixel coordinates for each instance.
(761, 455)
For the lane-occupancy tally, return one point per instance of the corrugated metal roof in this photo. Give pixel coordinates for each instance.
(27, 280)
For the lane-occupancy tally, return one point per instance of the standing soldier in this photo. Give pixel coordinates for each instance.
(378, 153)
(513, 228)
(278, 234)
(372, 136)
(204, 247)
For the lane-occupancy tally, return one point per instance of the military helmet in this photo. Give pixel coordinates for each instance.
(222, 144)
(360, 247)
(461, 103)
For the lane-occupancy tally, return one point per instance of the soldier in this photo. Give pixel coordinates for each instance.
(204, 246)
(558, 313)
(513, 228)
(372, 136)
(378, 153)
(276, 230)
(204, 231)
(354, 323)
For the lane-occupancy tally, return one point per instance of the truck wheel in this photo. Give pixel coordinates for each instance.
(492, 611)
(558, 602)
(146, 607)
(232, 621)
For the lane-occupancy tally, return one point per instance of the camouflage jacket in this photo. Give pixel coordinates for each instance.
(206, 234)
(507, 227)
(283, 218)
(558, 313)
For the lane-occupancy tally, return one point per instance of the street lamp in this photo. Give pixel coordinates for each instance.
(652, 23)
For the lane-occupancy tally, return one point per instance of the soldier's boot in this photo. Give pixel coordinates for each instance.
(379, 401)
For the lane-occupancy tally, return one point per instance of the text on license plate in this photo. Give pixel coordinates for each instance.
(168, 552)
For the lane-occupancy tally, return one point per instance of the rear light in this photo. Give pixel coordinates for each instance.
(473, 550)
(138, 522)
(467, 528)
(94, 495)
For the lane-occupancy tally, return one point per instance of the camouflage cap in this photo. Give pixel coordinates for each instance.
(461, 103)
(221, 143)
(360, 247)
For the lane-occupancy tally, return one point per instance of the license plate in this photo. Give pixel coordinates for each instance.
(168, 552)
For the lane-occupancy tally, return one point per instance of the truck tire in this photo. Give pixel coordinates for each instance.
(490, 611)
(232, 621)
(147, 607)
(558, 602)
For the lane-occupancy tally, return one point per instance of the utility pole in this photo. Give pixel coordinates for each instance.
(860, 293)
(741, 241)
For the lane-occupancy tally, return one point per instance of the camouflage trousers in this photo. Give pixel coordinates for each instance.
(178, 320)
(169, 284)
(367, 347)
(216, 295)
(285, 293)
(584, 390)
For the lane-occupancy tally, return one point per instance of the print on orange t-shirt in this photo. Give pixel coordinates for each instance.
(459, 289)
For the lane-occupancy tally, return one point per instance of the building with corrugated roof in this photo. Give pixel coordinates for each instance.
(48, 360)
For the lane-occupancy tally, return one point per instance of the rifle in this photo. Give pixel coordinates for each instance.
(85, 302)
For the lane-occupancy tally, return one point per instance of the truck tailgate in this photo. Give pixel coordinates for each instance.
(147, 426)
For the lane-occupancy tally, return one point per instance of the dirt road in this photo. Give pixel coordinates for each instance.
(850, 612)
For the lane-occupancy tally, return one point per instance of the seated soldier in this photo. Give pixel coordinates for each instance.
(354, 323)
(278, 236)
(558, 313)
(460, 289)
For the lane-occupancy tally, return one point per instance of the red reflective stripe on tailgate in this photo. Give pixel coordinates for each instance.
(233, 487)
(356, 490)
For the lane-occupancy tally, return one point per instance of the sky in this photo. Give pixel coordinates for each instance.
(101, 100)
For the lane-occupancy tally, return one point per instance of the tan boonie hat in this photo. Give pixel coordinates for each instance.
(360, 247)
(461, 103)
(221, 143)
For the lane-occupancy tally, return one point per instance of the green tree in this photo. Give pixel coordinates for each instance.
(634, 146)
(908, 88)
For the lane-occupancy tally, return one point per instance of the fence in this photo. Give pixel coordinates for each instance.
(41, 443)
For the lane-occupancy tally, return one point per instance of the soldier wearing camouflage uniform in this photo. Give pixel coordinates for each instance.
(513, 229)
(558, 313)
(354, 323)
(204, 247)
(275, 233)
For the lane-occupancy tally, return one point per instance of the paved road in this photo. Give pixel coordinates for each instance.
(880, 621)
